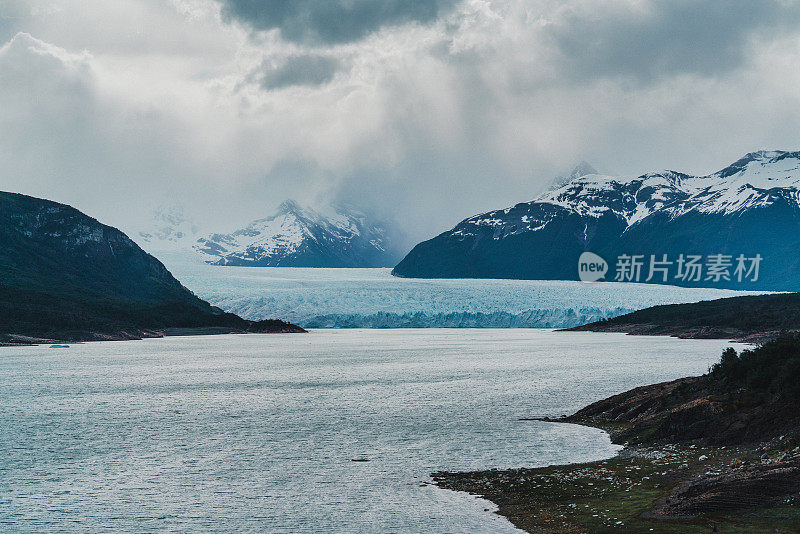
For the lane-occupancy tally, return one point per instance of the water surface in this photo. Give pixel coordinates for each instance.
(258, 432)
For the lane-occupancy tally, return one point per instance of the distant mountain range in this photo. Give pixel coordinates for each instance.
(736, 228)
(295, 236)
(64, 275)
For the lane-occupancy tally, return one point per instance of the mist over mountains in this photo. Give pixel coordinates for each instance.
(736, 228)
(294, 236)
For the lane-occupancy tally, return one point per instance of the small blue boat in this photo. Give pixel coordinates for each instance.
(59, 346)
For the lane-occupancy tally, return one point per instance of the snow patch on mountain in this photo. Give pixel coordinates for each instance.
(758, 179)
(298, 236)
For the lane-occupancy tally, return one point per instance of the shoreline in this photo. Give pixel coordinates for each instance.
(649, 329)
(714, 453)
(261, 327)
(749, 319)
(662, 488)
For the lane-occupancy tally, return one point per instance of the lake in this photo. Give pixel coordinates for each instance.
(259, 432)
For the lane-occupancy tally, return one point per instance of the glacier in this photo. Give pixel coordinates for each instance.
(373, 298)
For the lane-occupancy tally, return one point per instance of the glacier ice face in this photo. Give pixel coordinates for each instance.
(372, 298)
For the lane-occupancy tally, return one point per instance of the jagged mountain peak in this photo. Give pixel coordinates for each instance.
(300, 236)
(581, 169)
(748, 182)
(753, 164)
(759, 155)
(289, 206)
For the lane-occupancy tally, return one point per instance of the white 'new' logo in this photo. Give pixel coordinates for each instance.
(591, 267)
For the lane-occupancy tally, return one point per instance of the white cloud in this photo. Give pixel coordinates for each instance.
(471, 110)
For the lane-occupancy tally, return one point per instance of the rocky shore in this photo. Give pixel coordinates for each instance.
(668, 488)
(750, 319)
(236, 326)
(717, 453)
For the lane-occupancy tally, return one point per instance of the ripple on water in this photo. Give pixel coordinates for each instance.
(260, 432)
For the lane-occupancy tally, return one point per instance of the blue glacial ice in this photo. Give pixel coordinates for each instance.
(372, 298)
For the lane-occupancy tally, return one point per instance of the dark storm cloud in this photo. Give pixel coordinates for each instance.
(668, 37)
(331, 21)
(311, 70)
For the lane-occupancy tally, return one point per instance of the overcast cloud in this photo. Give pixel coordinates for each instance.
(426, 112)
(331, 21)
(646, 40)
(300, 70)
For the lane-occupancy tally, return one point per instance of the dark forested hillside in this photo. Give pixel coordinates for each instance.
(64, 275)
(747, 397)
(759, 316)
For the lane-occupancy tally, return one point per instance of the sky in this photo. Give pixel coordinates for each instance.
(423, 112)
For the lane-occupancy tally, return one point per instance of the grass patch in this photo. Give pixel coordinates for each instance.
(618, 495)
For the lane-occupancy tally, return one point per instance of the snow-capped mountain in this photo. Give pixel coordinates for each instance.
(302, 237)
(169, 230)
(750, 208)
